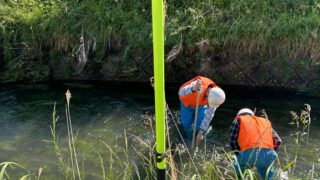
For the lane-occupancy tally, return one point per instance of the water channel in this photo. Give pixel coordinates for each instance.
(104, 113)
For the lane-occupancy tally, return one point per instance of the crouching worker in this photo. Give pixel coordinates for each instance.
(254, 142)
(209, 95)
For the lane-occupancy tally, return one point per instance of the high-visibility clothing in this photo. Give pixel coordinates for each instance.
(191, 99)
(254, 132)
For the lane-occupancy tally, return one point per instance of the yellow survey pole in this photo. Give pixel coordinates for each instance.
(158, 63)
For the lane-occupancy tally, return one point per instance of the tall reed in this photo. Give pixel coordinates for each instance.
(63, 168)
(71, 137)
(302, 123)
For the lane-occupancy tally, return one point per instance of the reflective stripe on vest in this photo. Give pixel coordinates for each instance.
(254, 132)
(191, 99)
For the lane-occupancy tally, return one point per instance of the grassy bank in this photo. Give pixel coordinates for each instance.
(250, 34)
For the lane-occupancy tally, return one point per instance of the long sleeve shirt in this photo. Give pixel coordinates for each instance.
(233, 137)
(210, 111)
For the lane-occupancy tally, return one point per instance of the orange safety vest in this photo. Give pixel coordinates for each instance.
(191, 99)
(254, 132)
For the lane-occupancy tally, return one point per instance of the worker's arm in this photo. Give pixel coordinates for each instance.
(233, 136)
(207, 119)
(191, 88)
(276, 140)
(205, 124)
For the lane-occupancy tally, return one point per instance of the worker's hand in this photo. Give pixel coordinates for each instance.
(199, 137)
(197, 86)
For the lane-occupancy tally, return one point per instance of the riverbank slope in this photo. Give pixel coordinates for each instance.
(246, 42)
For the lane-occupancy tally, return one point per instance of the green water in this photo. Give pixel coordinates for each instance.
(104, 112)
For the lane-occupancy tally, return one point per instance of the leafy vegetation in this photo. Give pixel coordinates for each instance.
(40, 33)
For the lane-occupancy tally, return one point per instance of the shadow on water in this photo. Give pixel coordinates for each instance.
(102, 111)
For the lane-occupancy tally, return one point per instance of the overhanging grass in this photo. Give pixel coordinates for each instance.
(271, 29)
(266, 23)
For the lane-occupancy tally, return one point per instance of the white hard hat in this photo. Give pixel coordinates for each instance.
(216, 97)
(245, 111)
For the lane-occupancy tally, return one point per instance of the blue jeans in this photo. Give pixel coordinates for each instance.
(260, 158)
(187, 118)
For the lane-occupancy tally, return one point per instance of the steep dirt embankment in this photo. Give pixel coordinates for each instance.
(231, 67)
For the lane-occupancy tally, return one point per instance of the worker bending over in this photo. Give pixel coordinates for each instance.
(254, 142)
(209, 99)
